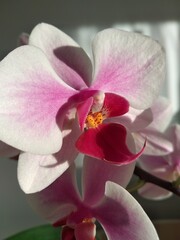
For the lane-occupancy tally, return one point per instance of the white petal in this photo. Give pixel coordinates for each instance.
(30, 98)
(128, 64)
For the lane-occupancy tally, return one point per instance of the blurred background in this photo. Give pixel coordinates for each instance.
(81, 19)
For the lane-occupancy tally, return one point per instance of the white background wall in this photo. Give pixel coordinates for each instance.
(81, 19)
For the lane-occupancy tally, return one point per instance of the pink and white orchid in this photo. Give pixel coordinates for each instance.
(50, 86)
(110, 204)
(166, 167)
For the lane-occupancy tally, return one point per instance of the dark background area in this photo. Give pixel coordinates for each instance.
(22, 15)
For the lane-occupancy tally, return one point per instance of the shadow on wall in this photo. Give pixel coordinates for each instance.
(24, 15)
(16, 214)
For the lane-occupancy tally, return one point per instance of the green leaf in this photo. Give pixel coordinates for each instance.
(44, 232)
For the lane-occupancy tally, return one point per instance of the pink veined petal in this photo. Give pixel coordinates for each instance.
(36, 172)
(128, 64)
(69, 60)
(30, 98)
(97, 172)
(135, 120)
(85, 231)
(157, 143)
(122, 217)
(58, 200)
(173, 134)
(153, 163)
(158, 166)
(106, 142)
(153, 192)
(161, 167)
(7, 151)
(162, 114)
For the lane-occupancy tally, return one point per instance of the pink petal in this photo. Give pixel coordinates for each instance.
(97, 172)
(153, 192)
(128, 64)
(36, 172)
(106, 142)
(162, 114)
(30, 98)
(157, 143)
(135, 120)
(85, 231)
(173, 134)
(59, 199)
(69, 60)
(122, 217)
(153, 163)
(160, 167)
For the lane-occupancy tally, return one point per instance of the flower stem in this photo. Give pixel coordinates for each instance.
(136, 186)
(147, 177)
(177, 183)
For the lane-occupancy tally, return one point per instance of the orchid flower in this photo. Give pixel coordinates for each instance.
(108, 203)
(166, 167)
(54, 101)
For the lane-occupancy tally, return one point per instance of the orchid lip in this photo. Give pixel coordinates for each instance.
(98, 136)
